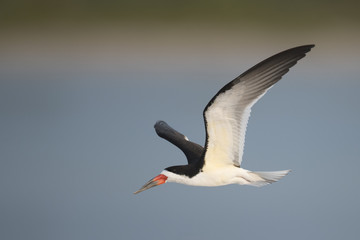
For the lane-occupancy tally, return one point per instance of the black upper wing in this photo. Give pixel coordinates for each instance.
(192, 151)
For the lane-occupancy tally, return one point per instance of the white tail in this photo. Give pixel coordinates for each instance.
(264, 178)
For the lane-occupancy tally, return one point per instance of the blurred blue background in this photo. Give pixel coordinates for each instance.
(83, 82)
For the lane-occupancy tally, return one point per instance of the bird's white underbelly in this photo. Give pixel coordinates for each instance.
(219, 177)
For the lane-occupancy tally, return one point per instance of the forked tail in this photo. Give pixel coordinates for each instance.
(263, 178)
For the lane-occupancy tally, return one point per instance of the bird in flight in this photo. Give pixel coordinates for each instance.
(226, 117)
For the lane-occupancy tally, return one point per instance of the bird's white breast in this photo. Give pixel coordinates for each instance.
(218, 177)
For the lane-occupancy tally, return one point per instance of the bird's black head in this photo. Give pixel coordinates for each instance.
(186, 170)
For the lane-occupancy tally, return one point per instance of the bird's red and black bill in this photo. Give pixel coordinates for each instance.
(156, 181)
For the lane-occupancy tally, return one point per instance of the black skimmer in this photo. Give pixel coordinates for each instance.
(226, 117)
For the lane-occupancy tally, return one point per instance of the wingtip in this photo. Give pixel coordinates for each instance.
(308, 47)
(311, 46)
(158, 123)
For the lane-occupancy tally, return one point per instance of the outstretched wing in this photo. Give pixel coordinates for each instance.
(192, 151)
(227, 114)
